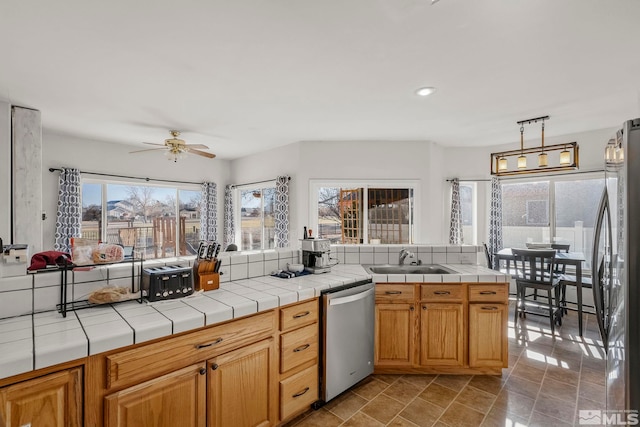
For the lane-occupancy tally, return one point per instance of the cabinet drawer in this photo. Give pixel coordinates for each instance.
(448, 292)
(149, 361)
(299, 315)
(298, 347)
(298, 392)
(488, 293)
(395, 292)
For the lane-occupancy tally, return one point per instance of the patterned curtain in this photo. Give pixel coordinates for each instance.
(495, 217)
(455, 226)
(282, 212)
(209, 212)
(69, 215)
(229, 226)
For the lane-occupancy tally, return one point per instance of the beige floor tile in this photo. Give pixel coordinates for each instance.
(500, 417)
(362, 420)
(370, 388)
(593, 376)
(559, 390)
(383, 408)
(401, 422)
(514, 403)
(454, 382)
(522, 386)
(591, 391)
(420, 380)
(460, 415)
(347, 405)
(565, 375)
(542, 420)
(403, 391)
(477, 399)
(422, 413)
(320, 418)
(489, 383)
(554, 407)
(438, 395)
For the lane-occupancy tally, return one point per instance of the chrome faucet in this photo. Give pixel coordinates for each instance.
(404, 254)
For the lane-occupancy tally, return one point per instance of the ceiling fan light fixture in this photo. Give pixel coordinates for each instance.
(425, 91)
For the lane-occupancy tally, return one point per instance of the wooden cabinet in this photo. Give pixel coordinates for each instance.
(455, 328)
(442, 334)
(488, 313)
(54, 400)
(242, 387)
(394, 335)
(299, 356)
(179, 395)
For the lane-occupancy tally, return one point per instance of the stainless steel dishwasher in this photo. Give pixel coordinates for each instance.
(347, 337)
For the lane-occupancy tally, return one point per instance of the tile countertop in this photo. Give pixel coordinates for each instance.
(45, 339)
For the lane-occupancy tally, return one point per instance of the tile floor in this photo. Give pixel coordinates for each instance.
(548, 380)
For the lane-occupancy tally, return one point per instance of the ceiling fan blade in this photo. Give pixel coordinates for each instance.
(153, 143)
(202, 147)
(148, 149)
(201, 153)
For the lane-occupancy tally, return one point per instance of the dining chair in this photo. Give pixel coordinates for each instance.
(488, 256)
(562, 269)
(535, 269)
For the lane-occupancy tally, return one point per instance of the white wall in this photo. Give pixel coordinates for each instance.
(5, 172)
(410, 160)
(94, 156)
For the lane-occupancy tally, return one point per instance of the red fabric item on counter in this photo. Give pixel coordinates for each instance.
(40, 260)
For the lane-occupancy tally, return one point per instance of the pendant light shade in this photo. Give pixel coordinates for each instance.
(514, 162)
(565, 157)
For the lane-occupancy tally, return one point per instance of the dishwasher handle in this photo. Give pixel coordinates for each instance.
(351, 298)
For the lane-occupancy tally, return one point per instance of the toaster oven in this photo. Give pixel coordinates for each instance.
(166, 282)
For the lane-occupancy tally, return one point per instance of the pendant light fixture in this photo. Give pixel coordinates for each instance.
(522, 160)
(543, 161)
(568, 158)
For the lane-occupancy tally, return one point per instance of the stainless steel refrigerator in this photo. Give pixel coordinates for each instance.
(616, 268)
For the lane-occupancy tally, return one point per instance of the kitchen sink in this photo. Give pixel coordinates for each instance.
(408, 269)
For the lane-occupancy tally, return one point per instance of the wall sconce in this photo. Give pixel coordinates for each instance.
(568, 157)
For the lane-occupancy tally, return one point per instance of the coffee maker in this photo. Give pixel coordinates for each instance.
(315, 255)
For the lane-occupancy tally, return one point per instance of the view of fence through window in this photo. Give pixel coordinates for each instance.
(527, 212)
(157, 221)
(257, 221)
(387, 214)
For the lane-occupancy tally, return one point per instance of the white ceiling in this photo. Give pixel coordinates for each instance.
(243, 76)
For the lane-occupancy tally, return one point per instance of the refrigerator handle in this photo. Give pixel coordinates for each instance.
(596, 275)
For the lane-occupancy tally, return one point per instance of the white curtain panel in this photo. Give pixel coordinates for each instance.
(229, 226)
(455, 226)
(495, 217)
(282, 212)
(209, 212)
(69, 214)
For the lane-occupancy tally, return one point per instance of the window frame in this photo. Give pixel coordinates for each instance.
(104, 183)
(237, 210)
(414, 185)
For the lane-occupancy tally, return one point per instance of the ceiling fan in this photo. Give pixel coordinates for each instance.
(176, 148)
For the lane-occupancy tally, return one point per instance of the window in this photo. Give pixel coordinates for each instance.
(157, 221)
(468, 211)
(347, 212)
(558, 210)
(257, 221)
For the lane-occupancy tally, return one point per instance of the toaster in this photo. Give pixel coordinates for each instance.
(166, 282)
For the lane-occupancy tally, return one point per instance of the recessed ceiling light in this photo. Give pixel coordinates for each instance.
(425, 91)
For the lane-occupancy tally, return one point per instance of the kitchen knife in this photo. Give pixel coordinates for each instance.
(216, 269)
(210, 249)
(218, 247)
(202, 250)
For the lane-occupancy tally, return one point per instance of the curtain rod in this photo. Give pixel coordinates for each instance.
(129, 177)
(522, 176)
(256, 182)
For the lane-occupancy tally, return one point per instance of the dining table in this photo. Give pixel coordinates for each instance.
(574, 259)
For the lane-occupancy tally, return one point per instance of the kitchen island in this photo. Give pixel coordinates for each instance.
(101, 347)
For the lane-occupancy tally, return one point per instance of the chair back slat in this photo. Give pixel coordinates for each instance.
(534, 265)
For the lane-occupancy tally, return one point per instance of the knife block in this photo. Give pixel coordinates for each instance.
(209, 281)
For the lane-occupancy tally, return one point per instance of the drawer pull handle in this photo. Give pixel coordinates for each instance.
(442, 292)
(489, 308)
(214, 366)
(218, 341)
(203, 371)
(299, 315)
(393, 292)
(300, 393)
(488, 293)
(301, 348)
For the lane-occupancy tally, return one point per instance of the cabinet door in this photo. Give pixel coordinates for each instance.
(395, 335)
(54, 400)
(488, 344)
(177, 398)
(442, 334)
(243, 387)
